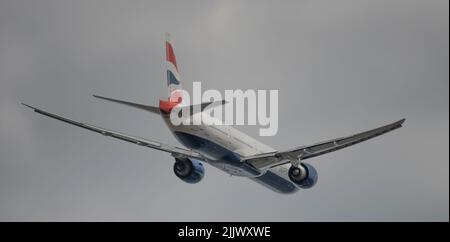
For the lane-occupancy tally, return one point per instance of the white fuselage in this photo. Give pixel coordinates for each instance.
(224, 147)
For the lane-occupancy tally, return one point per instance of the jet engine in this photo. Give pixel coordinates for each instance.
(305, 175)
(189, 170)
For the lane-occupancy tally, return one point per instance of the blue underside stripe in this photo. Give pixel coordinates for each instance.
(269, 179)
(211, 148)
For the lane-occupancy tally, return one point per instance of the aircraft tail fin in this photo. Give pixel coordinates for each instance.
(173, 75)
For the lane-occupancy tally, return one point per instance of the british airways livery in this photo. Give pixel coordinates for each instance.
(225, 147)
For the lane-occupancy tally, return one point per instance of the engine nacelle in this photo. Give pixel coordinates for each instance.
(305, 176)
(189, 170)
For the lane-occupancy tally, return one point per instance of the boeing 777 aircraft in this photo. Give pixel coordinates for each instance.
(227, 148)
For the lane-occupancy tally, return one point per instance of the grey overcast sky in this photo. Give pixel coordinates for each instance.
(340, 67)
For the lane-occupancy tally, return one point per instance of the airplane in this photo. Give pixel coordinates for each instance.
(225, 147)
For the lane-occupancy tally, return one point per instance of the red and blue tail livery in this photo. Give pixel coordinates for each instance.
(173, 76)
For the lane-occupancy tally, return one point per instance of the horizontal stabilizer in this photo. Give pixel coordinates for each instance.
(135, 105)
(192, 109)
(156, 110)
(206, 105)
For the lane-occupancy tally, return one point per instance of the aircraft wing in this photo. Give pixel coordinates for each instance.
(175, 151)
(267, 160)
